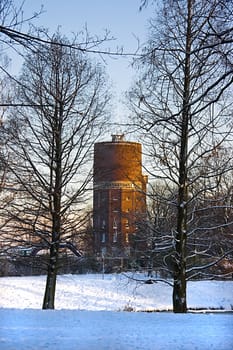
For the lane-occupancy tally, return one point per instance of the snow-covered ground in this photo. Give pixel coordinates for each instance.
(113, 292)
(91, 314)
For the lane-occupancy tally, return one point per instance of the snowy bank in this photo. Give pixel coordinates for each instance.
(112, 292)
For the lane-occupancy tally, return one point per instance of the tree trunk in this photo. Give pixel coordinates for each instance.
(50, 288)
(179, 289)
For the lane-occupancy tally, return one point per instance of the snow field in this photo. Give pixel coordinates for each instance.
(89, 315)
(113, 292)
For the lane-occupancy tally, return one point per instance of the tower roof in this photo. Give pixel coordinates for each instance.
(118, 137)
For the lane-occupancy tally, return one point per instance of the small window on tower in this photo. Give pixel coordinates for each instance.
(103, 238)
(114, 226)
(103, 251)
(114, 236)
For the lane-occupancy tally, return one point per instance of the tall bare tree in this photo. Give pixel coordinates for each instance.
(182, 106)
(68, 96)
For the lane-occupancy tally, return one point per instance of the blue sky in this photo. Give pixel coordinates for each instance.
(121, 17)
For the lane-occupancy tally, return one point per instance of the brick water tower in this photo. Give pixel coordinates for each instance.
(119, 203)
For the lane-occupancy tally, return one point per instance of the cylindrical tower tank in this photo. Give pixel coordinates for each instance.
(117, 160)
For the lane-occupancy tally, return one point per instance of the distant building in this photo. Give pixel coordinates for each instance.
(119, 195)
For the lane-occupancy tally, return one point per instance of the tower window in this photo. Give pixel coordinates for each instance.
(103, 238)
(114, 236)
(103, 251)
(114, 226)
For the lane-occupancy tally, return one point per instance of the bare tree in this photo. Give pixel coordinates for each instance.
(182, 107)
(12, 17)
(68, 95)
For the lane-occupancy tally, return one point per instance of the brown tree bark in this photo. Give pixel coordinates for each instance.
(179, 290)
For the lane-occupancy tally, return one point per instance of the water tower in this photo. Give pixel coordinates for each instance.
(119, 194)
